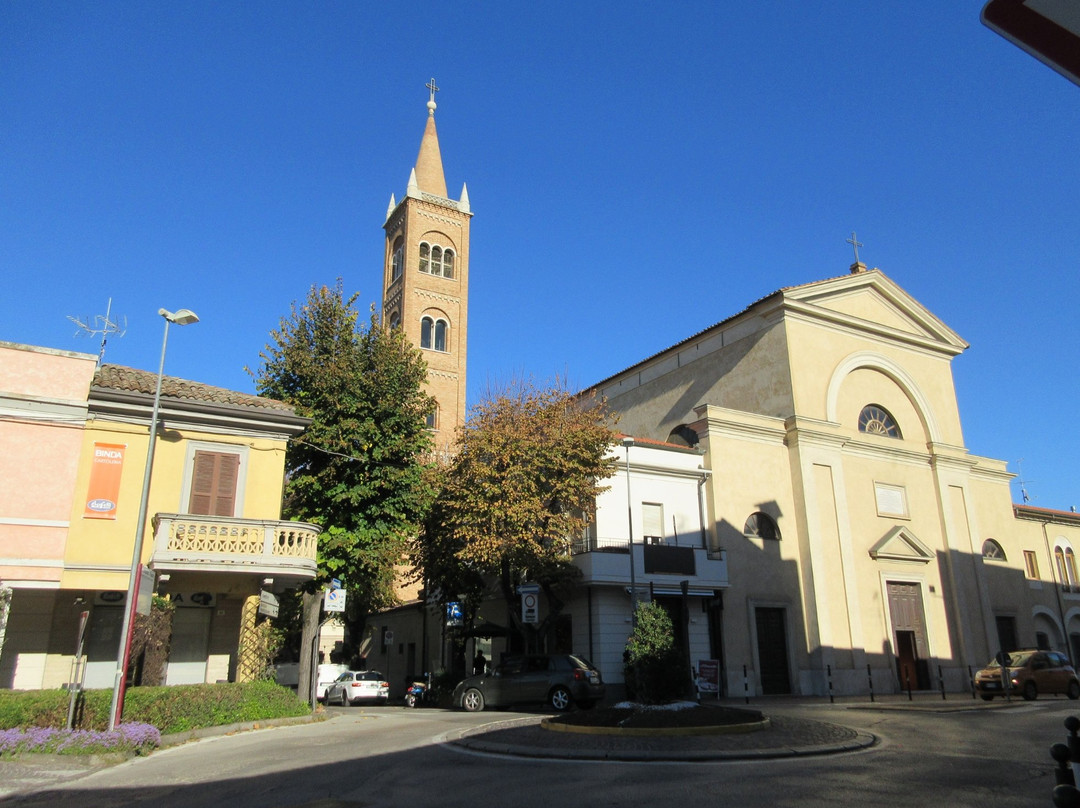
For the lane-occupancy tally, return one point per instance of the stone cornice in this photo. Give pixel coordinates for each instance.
(436, 296)
(846, 323)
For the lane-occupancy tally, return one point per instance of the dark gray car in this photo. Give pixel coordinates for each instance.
(558, 680)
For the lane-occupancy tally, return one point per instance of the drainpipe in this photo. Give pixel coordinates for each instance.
(701, 508)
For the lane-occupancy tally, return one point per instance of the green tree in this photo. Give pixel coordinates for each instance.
(358, 469)
(523, 480)
(655, 670)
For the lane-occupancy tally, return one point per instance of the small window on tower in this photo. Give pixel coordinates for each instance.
(397, 261)
(440, 335)
(436, 260)
(425, 257)
(448, 264)
(433, 418)
(427, 325)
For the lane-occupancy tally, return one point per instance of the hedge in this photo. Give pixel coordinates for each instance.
(171, 709)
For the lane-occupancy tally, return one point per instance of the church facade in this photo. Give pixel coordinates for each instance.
(866, 547)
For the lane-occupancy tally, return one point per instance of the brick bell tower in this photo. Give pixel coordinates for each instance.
(426, 277)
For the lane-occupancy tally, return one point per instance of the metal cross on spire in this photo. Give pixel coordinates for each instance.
(855, 243)
(431, 86)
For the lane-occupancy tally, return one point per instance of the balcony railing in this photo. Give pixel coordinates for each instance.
(228, 544)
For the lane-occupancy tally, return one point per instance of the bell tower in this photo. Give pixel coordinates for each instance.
(426, 277)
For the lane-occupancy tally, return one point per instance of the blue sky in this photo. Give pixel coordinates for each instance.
(638, 172)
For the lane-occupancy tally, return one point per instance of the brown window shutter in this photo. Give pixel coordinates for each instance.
(213, 484)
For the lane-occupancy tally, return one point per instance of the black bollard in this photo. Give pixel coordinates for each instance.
(1066, 796)
(1063, 774)
(870, 678)
(745, 685)
(971, 679)
(941, 682)
(1072, 725)
(828, 673)
(907, 680)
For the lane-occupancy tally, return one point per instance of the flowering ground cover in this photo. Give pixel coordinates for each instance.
(134, 739)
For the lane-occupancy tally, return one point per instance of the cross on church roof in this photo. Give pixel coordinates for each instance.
(431, 86)
(855, 243)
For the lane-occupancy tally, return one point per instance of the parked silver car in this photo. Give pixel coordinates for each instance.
(558, 680)
(353, 687)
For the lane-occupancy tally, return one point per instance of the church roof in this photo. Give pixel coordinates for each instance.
(429, 170)
(804, 295)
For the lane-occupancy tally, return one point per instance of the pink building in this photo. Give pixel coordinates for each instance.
(43, 406)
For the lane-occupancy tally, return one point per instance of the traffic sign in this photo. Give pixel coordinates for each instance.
(334, 600)
(530, 608)
(1047, 29)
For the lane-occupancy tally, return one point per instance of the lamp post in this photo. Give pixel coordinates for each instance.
(181, 317)
(627, 442)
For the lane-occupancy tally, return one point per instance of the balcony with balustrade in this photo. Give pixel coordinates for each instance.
(285, 551)
(657, 560)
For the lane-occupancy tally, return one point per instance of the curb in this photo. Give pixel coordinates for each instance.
(177, 738)
(465, 739)
(649, 732)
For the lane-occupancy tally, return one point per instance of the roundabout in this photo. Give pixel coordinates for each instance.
(726, 734)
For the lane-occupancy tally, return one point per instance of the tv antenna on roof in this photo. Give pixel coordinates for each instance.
(99, 325)
(1020, 479)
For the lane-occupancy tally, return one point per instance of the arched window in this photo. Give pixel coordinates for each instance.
(876, 420)
(397, 260)
(682, 435)
(992, 551)
(434, 260)
(433, 418)
(395, 320)
(433, 334)
(1066, 567)
(761, 526)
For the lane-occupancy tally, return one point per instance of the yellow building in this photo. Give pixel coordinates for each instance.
(214, 537)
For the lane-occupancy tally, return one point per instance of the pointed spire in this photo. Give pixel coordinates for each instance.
(463, 203)
(429, 170)
(391, 206)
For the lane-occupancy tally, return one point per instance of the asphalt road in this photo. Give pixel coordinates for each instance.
(390, 756)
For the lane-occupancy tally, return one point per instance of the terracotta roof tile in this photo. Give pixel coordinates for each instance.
(118, 377)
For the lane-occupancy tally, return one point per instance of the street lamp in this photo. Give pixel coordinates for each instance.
(181, 317)
(628, 442)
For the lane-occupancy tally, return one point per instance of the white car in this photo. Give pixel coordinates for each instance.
(327, 674)
(353, 687)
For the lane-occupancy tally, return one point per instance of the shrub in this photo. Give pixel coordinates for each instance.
(654, 668)
(170, 709)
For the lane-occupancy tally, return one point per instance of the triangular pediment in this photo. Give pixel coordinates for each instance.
(870, 301)
(900, 544)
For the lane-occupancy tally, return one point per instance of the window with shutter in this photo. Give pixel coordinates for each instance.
(213, 483)
(652, 521)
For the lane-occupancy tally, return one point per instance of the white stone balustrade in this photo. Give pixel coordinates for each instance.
(219, 543)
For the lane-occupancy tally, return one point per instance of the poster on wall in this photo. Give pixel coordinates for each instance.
(104, 489)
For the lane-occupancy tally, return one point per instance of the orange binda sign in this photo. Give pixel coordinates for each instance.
(104, 488)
